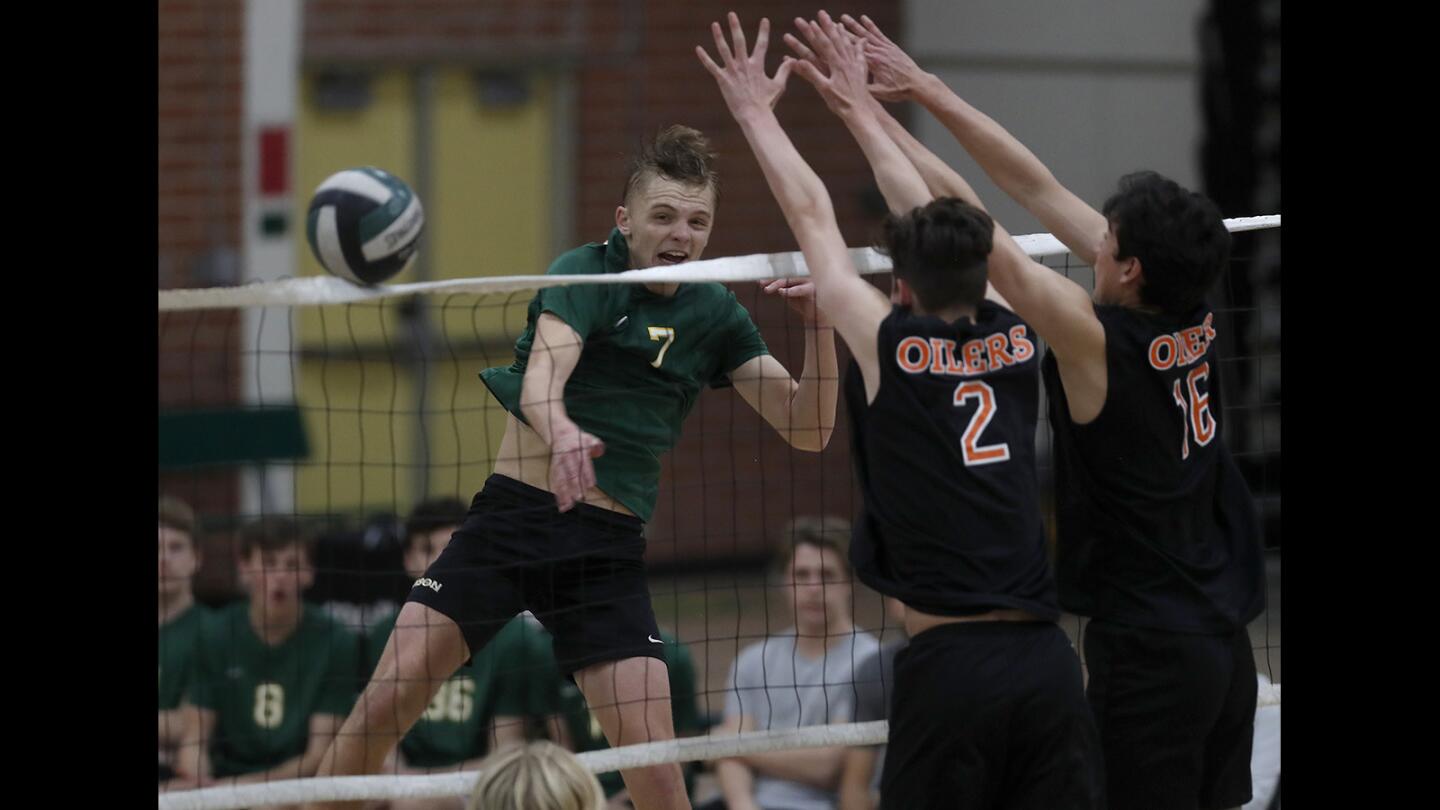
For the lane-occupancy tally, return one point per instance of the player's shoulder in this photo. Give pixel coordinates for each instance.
(588, 259)
(1132, 326)
(997, 314)
(711, 300)
(709, 292)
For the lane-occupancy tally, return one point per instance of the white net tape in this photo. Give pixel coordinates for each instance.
(345, 788)
(318, 290)
(321, 290)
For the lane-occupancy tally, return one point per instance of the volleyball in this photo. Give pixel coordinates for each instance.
(364, 225)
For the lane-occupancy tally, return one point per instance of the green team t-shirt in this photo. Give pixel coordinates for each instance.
(585, 728)
(263, 696)
(453, 727)
(179, 645)
(645, 360)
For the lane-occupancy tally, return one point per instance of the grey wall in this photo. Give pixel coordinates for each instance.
(1095, 88)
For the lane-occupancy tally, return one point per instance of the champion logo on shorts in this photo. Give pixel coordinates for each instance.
(428, 583)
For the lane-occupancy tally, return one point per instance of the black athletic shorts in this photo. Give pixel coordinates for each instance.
(582, 573)
(1176, 714)
(991, 715)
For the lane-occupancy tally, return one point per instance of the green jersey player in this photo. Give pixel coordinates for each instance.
(181, 622)
(602, 380)
(275, 676)
(486, 703)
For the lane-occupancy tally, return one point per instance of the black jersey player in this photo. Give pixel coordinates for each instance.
(1157, 535)
(943, 400)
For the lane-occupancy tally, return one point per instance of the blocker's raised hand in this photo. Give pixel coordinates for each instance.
(841, 54)
(894, 75)
(741, 75)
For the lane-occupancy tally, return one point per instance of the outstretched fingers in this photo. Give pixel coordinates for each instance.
(721, 46)
(762, 40)
(707, 62)
(801, 50)
(737, 35)
(818, 39)
(812, 74)
(782, 73)
(867, 28)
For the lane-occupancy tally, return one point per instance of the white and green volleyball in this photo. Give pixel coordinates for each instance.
(364, 225)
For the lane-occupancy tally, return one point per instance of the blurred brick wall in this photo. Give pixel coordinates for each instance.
(200, 66)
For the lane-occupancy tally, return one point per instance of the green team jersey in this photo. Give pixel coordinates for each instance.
(179, 644)
(645, 360)
(495, 682)
(263, 696)
(585, 729)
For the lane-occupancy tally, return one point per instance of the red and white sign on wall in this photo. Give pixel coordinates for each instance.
(274, 180)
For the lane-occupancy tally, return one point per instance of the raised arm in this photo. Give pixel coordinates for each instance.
(803, 412)
(939, 180)
(553, 357)
(856, 307)
(1004, 159)
(844, 92)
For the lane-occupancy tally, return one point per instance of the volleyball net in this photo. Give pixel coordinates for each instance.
(343, 408)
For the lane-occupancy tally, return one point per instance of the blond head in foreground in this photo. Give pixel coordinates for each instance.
(535, 776)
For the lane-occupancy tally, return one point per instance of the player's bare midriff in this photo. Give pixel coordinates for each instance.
(917, 622)
(525, 457)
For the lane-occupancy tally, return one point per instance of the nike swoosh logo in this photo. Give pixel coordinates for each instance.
(655, 640)
(621, 322)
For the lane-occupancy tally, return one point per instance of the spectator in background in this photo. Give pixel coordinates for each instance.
(488, 698)
(537, 776)
(800, 677)
(181, 621)
(874, 683)
(275, 676)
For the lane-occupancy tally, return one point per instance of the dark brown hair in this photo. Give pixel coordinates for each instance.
(176, 514)
(437, 513)
(678, 153)
(273, 533)
(821, 531)
(941, 250)
(1178, 235)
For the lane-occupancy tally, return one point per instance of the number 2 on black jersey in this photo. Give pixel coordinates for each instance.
(970, 446)
(1194, 409)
